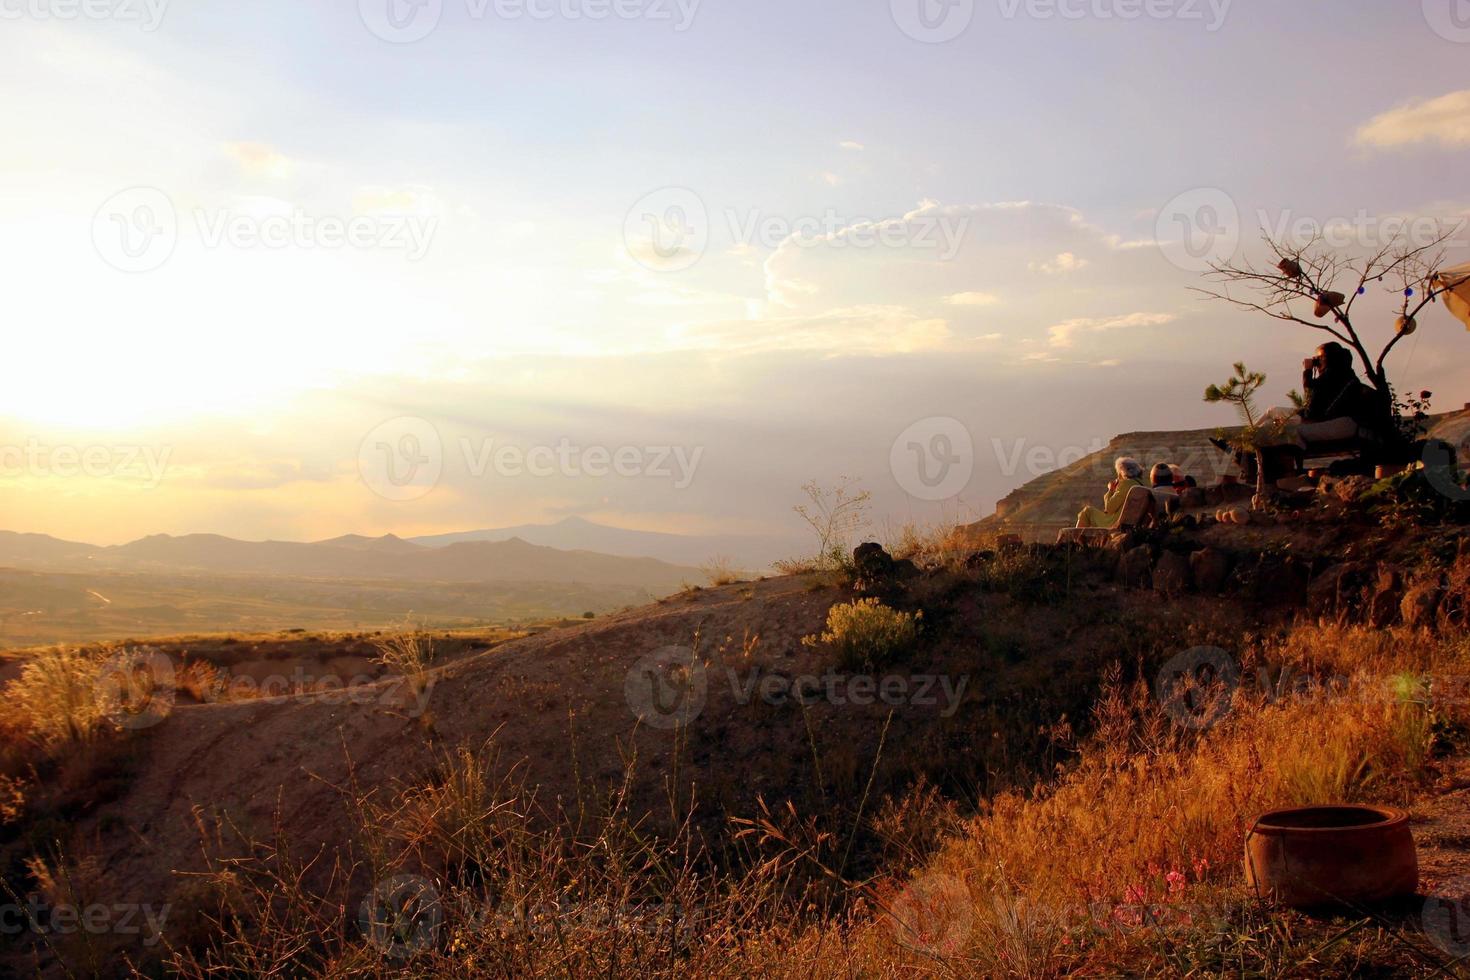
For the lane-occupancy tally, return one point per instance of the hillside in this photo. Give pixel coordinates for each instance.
(1045, 505)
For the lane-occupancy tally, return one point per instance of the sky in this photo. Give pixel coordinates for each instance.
(286, 270)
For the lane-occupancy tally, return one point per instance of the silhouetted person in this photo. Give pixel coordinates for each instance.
(1339, 406)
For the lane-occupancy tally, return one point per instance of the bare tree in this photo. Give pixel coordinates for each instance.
(1313, 275)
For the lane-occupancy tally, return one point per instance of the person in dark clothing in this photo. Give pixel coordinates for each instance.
(1339, 406)
(1334, 391)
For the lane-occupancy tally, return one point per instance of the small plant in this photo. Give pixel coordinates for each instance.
(867, 634)
(409, 653)
(1411, 416)
(719, 571)
(1255, 435)
(835, 517)
(56, 696)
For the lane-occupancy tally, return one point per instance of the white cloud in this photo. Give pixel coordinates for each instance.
(852, 145)
(859, 330)
(972, 299)
(260, 160)
(1061, 265)
(1445, 120)
(1063, 335)
(830, 179)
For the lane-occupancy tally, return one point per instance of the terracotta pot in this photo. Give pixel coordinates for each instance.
(1338, 856)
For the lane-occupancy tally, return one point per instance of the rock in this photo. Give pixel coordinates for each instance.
(979, 559)
(1172, 575)
(1420, 605)
(1211, 570)
(1274, 580)
(1335, 585)
(871, 561)
(1134, 569)
(1385, 597)
(1007, 543)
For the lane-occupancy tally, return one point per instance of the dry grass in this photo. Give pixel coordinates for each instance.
(56, 696)
(409, 653)
(1126, 864)
(720, 571)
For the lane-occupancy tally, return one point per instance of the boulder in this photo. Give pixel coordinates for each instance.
(1172, 575)
(1135, 567)
(1211, 570)
(873, 564)
(1385, 597)
(1335, 585)
(1420, 605)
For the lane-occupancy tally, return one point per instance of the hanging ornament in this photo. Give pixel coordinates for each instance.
(1327, 302)
(1409, 292)
(1290, 268)
(1407, 325)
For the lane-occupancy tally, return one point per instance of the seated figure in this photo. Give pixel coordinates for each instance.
(1166, 480)
(1129, 475)
(1339, 406)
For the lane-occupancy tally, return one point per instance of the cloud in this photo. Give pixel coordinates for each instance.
(972, 299)
(1061, 265)
(853, 145)
(859, 330)
(830, 179)
(1445, 120)
(1063, 335)
(397, 201)
(260, 160)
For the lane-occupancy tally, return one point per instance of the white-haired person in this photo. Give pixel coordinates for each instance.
(1129, 475)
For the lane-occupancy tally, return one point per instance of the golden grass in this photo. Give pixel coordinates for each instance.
(1127, 863)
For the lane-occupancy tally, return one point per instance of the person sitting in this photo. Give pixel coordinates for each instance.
(1165, 480)
(1129, 475)
(1339, 406)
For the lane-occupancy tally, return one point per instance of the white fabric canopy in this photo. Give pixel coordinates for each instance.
(1456, 284)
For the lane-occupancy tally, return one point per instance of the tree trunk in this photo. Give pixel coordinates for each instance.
(1259, 503)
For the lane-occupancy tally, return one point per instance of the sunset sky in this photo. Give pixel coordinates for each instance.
(250, 248)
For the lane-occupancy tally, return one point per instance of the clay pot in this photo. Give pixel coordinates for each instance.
(1326, 857)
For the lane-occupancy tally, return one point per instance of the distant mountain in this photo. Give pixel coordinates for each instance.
(351, 557)
(744, 551)
(41, 549)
